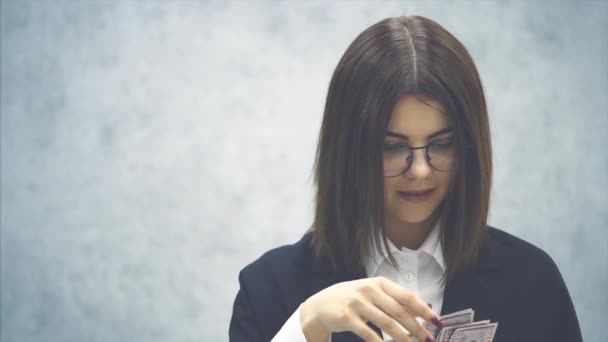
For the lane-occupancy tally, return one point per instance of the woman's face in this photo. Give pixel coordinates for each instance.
(416, 122)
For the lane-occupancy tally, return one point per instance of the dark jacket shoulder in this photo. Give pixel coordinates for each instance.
(511, 250)
(271, 289)
(515, 257)
(522, 288)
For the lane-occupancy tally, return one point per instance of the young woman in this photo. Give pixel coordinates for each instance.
(402, 177)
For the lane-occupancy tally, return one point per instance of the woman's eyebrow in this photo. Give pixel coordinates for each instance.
(432, 135)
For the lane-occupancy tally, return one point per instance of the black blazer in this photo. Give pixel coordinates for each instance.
(515, 284)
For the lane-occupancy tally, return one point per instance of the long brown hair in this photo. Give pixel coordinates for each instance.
(408, 55)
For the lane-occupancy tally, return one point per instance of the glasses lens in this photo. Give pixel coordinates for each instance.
(441, 155)
(396, 159)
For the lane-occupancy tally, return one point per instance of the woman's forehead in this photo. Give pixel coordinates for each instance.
(416, 119)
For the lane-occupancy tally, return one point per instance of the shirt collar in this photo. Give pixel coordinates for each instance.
(430, 246)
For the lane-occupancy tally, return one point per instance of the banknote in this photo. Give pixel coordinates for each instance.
(460, 327)
(479, 333)
(455, 318)
(446, 333)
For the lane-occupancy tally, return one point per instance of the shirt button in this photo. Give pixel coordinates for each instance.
(409, 276)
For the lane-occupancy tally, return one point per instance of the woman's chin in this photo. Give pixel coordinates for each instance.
(414, 219)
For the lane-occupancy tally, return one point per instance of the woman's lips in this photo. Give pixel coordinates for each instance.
(416, 197)
(417, 192)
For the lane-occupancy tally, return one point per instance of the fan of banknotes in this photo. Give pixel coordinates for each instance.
(460, 327)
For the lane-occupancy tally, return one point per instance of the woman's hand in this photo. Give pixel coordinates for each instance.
(348, 306)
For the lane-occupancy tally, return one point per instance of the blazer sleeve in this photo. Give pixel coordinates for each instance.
(565, 321)
(244, 326)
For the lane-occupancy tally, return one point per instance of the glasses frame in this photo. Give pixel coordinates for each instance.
(426, 156)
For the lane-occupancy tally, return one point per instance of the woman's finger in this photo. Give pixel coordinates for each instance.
(400, 313)
(415, 305)
(360, 327)
(370, 312)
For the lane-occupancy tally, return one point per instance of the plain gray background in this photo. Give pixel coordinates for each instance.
(150, 150)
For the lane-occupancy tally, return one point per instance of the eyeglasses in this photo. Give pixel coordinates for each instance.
(398, 157)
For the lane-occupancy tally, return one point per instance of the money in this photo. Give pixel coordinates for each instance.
(446, 333)
(460, 327)
(455, 318)
(480, 333)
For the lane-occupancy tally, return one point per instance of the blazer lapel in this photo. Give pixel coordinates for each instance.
(471, 288)
(460, 293)
(324, 276)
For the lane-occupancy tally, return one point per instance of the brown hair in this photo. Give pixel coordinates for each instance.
(408, 55)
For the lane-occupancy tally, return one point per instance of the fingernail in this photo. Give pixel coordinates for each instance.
(437, 322)
(428, 339)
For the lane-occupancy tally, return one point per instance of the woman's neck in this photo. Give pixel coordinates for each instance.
(407, 234)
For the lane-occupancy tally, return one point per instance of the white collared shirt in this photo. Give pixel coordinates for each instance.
(421, 273)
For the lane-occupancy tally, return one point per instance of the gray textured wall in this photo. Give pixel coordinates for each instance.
(150, 150)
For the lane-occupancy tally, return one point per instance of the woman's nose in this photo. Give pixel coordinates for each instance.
(420, 166)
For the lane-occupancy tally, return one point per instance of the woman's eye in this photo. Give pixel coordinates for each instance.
(444, 143)
(393, 147)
